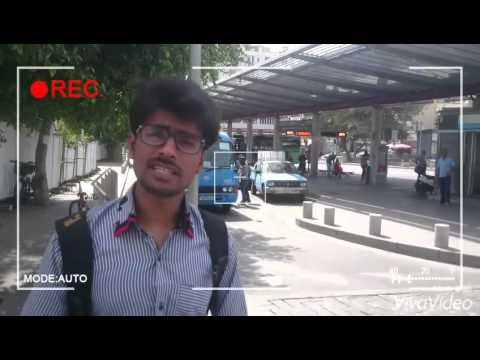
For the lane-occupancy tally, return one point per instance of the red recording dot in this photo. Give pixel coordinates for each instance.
(39, 89)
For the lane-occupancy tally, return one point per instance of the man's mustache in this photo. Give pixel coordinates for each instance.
(165, 162)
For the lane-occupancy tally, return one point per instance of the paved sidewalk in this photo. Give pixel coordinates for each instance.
(408, 221)
(36, 227)
(397, 200)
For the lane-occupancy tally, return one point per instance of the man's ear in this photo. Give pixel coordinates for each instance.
(131, 145)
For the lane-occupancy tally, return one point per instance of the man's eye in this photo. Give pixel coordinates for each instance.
(160, 133)
(187, 141)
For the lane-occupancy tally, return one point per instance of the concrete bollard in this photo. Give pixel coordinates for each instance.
(329, 216)
(375, 224)
(442, 233)
(308, 209)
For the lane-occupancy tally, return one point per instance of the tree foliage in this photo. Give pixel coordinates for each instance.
(358, 122)
(117, 67)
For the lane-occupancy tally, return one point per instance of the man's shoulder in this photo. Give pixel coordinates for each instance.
(199, 215)
(102, 212)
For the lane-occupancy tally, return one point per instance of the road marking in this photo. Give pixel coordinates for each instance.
(319, 201)
(398, 211)
(427, 227)
(425, 217)
(360, 203)
(466, 237)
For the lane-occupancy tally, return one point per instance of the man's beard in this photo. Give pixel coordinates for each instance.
(162, 193)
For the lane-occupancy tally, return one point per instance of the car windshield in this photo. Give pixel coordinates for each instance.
(281, 168)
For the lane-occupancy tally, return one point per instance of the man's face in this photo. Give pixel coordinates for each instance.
(164, 170)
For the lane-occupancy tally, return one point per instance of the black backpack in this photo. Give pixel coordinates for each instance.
(77, 254)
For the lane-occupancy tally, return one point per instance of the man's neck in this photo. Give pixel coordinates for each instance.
(156, 210)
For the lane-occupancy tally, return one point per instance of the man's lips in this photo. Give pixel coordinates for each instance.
(164, 168)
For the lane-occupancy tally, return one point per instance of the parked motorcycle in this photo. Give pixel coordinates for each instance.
(425, 185)
(27, 172)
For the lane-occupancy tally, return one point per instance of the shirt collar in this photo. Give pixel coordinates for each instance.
(127, 215)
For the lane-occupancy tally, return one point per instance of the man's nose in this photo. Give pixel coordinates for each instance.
(169, 149)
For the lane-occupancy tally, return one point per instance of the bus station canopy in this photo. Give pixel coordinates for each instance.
(324, 77)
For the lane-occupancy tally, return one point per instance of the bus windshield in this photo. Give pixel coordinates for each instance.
(222, 160)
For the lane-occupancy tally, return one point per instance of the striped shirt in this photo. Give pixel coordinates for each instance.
(133, 277)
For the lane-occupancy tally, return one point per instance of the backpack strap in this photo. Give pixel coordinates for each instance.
(218, 236)
(77, 256)
(76, 246)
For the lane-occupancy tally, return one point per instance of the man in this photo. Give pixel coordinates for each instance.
(150, 247)
(302, 159)
(444, 172)
(364, 164)
(308, 155)
(330, 160)
(245, 180)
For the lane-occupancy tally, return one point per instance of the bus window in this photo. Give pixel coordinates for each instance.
(221, 159)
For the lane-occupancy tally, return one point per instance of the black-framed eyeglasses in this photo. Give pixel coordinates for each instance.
(158, 135)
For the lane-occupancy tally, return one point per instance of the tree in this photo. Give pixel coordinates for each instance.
(117, 67)
(357, 122)
(35, 114)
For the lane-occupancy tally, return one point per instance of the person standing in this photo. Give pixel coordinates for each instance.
(302, 159)
(364, 164)
(330, 161)
(308, 154)
(244, 180)
(445, 166)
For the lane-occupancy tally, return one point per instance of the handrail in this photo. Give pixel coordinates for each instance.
(105, 193)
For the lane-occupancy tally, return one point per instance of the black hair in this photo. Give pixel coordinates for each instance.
(183, 98)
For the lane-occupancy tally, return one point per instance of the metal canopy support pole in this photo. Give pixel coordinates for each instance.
(195, 76)
(276, 133)
(377, 122)
(317, 122)
(249, 140)
(230, 128)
